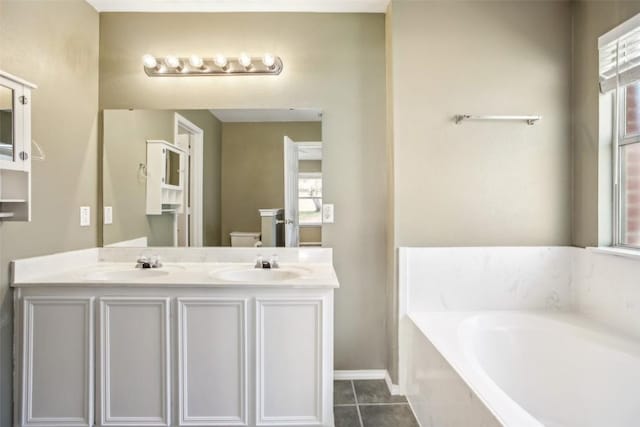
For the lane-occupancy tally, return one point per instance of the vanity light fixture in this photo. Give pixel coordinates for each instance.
(221, 62)
(218, 65)
(196, 62)
(173, 62)
(245, 60)
(150, 61)
(268, 60)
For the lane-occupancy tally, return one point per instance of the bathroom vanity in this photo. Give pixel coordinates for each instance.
(204, 340)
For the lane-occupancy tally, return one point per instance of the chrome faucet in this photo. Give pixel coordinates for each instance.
(272, 263)
(148, 262)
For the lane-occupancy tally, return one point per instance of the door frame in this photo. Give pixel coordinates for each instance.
(196, 157)
(291, 225)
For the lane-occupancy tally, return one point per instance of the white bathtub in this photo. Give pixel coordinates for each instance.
(528, 369)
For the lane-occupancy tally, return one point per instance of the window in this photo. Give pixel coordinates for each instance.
(619, 75)
(310, 199)
(628, 174)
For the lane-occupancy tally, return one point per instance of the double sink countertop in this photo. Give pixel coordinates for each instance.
(195, 267)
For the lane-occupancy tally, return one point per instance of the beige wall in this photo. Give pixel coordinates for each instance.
(390, 249)
(253, 170)
(125, 133)
(481, 183)
(333, 62)
(591, 19)
(310, 166)
(310, 234)
(55, 45)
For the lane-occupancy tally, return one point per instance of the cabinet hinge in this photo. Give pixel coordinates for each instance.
(23, 100)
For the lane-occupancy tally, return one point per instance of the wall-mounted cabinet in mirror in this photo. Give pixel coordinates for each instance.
(15, 122)
(249, 177)
(15, 148)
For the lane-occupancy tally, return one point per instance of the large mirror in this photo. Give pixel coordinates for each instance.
(217, 177)
(6, 123)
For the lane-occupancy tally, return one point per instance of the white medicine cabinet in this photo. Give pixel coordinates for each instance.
(15, 148)
(165, 177)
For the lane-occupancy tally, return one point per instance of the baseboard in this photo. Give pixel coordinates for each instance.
(362, 374)
(394, 389)
(368, 374)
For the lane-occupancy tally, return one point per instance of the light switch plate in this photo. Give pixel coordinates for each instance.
(85, 216)
(108, 215)
(327, 213)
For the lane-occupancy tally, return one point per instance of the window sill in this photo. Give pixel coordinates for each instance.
(623, 252)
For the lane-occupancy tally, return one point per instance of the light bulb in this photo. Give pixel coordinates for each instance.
(172, 62)
(244, 60)
(149, 61)
(268, 60)
(196, 61)
(220, 60)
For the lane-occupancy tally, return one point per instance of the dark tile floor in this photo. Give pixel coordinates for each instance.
(369, 404)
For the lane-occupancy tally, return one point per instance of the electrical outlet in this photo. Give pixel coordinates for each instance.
(327, 213)
(108, 215)
(85, 216)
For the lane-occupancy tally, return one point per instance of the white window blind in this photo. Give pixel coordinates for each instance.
(620, 56)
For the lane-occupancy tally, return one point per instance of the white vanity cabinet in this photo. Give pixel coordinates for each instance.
(289, 362)
(56, 361)
(133, 362)
(168, 356)
(212, 361)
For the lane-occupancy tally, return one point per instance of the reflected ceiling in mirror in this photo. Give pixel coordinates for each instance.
(212, 177)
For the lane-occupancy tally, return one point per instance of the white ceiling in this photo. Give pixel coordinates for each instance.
(268, 115)
(326, 6)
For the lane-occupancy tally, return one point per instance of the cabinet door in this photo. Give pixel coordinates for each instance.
(57, 371)
(212, 362)
(289, 353)
(12, 137)
(134, 367)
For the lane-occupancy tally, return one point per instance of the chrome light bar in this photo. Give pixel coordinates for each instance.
(172, 66)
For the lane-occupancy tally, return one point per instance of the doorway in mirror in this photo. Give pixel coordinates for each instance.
(188, 223)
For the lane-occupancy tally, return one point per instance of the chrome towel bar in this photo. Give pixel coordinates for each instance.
(530, 120)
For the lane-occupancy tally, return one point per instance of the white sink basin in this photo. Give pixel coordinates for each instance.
(129, 274)
(259, 275)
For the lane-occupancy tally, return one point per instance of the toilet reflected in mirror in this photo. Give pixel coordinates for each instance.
(228, 177)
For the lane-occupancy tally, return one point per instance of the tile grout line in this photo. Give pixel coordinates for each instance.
(384, 404)
(355, 398)
(372, 404)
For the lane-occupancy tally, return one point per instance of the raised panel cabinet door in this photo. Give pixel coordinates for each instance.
(57, 371)
(289, 356)
(212, 361)
(134, 366)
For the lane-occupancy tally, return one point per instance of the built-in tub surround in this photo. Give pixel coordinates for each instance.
(519, 337)
(481, 278)
(211, 339)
